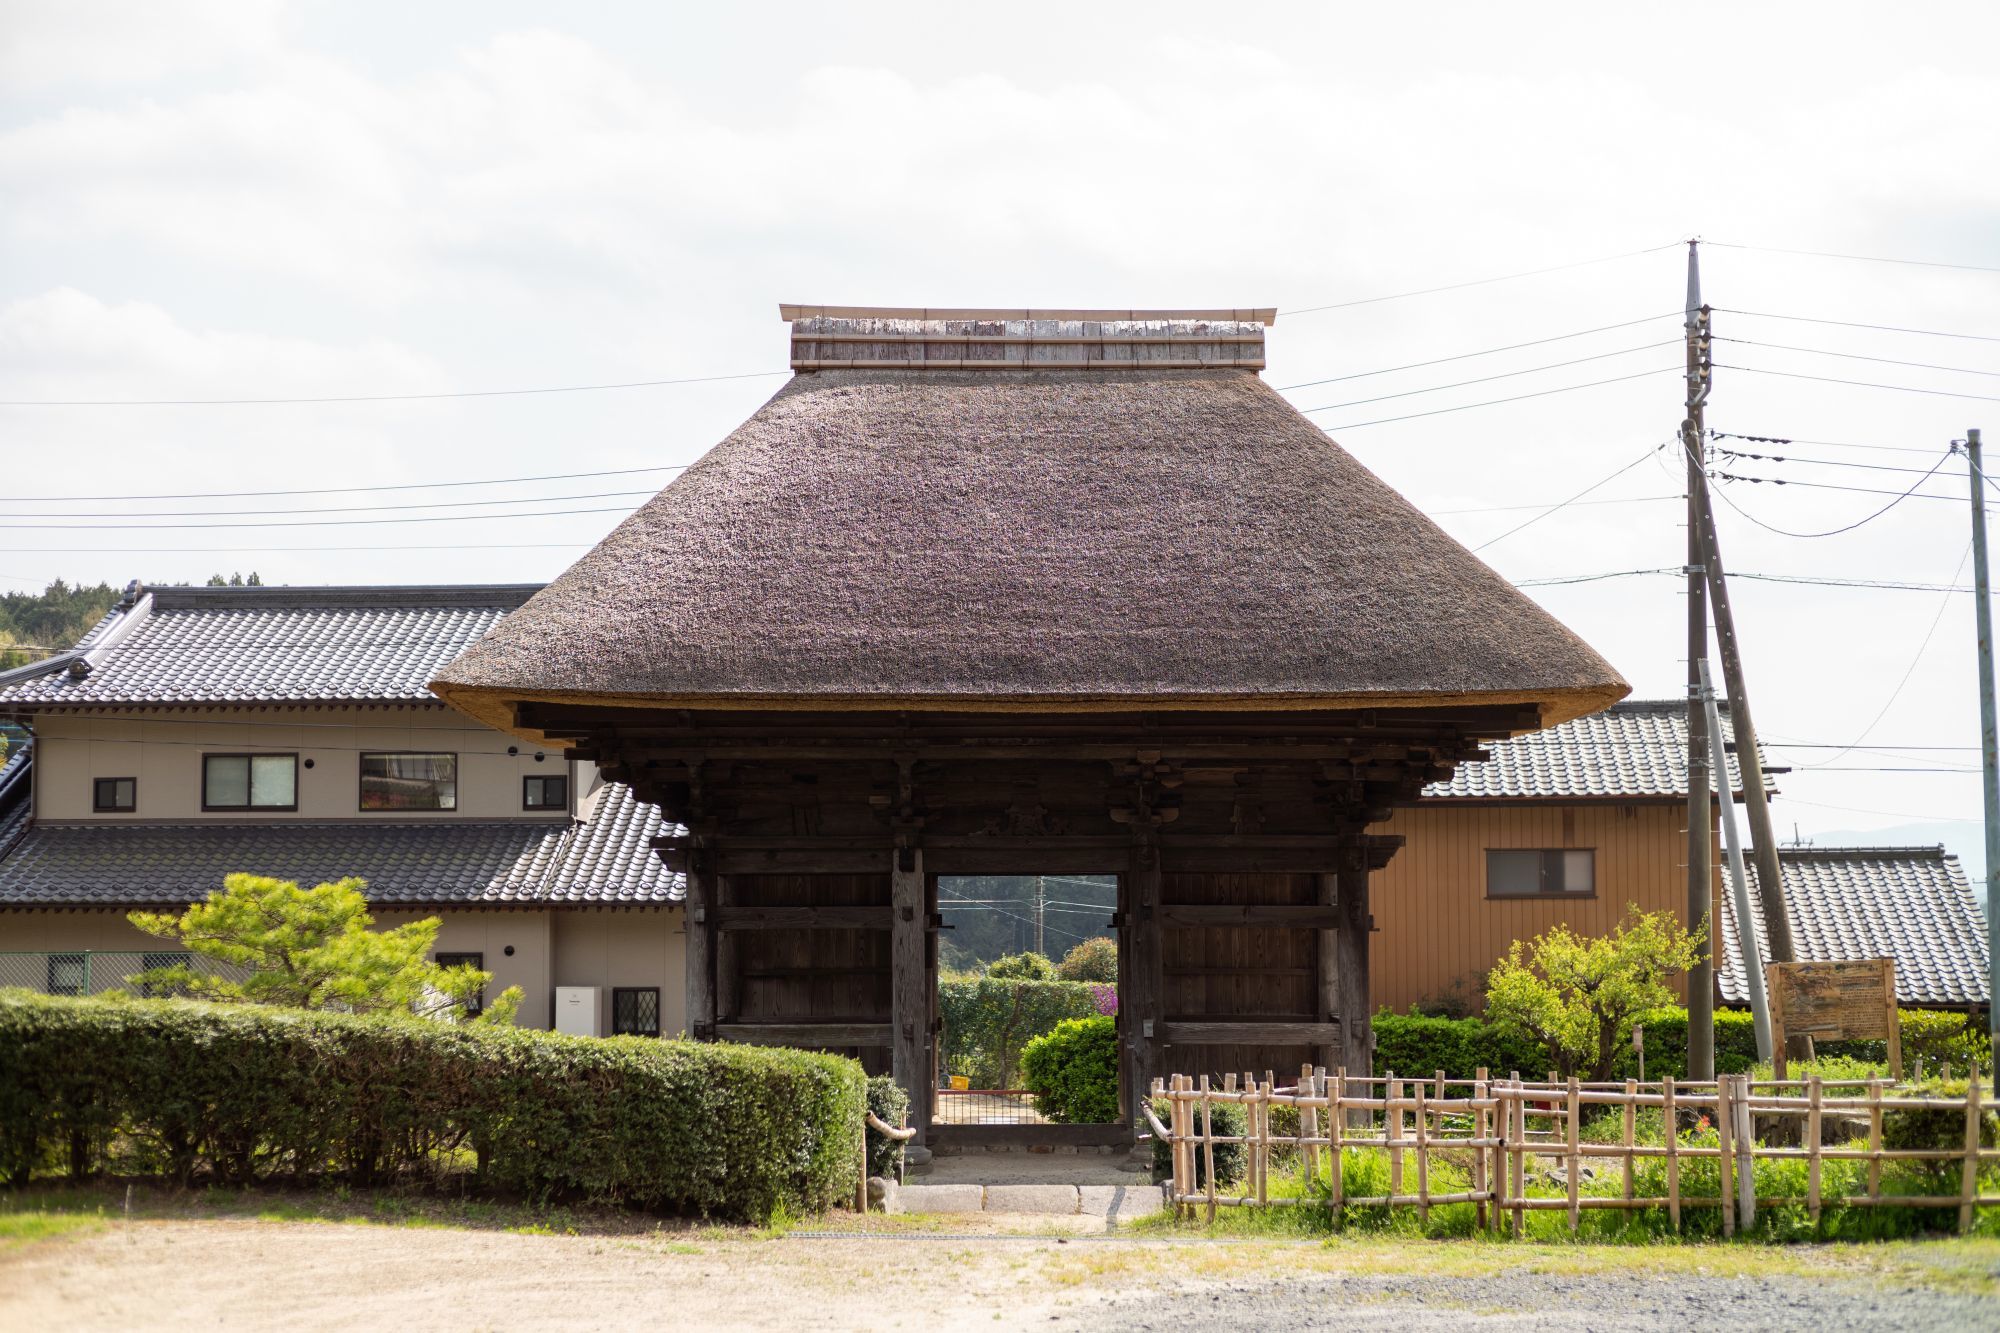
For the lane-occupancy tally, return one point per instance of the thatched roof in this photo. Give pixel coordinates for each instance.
(1029, 539)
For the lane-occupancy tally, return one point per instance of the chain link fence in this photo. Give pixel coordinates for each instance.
(97, 971)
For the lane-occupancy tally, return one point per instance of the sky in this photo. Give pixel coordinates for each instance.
(252, 200)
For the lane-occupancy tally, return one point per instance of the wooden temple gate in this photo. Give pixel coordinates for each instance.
(813, 842)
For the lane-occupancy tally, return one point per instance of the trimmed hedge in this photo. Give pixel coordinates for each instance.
(1419, 1044)
(244, 1092)
(1073, 1071)
(891, 1106)
(988, 1020)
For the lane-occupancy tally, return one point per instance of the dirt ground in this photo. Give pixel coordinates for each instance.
(253, 1273)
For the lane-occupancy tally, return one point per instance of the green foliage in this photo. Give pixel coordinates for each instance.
(1021, 967)
(891, 1105)
(313, 949)
(235, 581)
(1225, 1118)
(1418, 1044)
(1576, 994)
(1938, 1036)
(1093, 960)
(1073, 1071)
(988, 1021)
(241, 1093)
(50, 621)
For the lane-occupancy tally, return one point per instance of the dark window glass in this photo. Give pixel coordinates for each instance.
(115, 794)
(635, 1011)
(67, 972)
(548, 791)
(250, 782)
(477, 1004)
(1545, 873)
(409, 782)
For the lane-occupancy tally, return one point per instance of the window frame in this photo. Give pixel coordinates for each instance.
(1549, 871)
(654, 991)
(248, 780)
(67, 958)
(461, 958)
(99, 806)
(528, 780)
(361, 783)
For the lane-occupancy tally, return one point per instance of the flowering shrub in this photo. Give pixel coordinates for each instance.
(1106, 998)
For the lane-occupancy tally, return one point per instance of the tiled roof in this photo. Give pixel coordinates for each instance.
(266, 645)
(1907, 903)
(604, 859)
(16, 793)
(1636, 749)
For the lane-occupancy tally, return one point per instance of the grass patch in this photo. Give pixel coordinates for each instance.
(26, 1227)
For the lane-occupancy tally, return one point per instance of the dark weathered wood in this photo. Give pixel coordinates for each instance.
(803, 918)
(701, 909)
(949, 1137)
(1250, 914)
(1326, 986)
(728, 968)
(1241, 1032)
(910, 987)
(1351, 973)
(813, 1036)
(1142, 1012)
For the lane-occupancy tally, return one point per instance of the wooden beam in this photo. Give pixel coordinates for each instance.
(701, 910)
(910, 986)
(1351, 972)
(1326, 991)
(1141, 1014)
(1030, 1136)
(1251, 1032)
(1250, 914)
(812, 1036)
(803, 918)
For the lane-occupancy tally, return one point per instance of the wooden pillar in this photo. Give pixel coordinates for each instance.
(1327, 999)
(701, 934)
(1141, 1007)
(910, 986)
(728, 967)
(1350, 969)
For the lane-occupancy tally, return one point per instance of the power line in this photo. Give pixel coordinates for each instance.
(1723, 495)
(1487, 379)
(346, 490)
(1862, 259)
(1494, 402)
(280, 550)
(1856, 356)
(1576, 504)
(1480, 282)
(1816, 462)
(315, 522)
(1853, 324)
(1874, 585)
(380, 397)
(1863, 384)
(1647, 453)
(1467, 356)
(324, 509)
(1834, 486)
(1824, 444)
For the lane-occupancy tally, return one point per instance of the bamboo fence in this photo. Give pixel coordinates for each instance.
(1500, 1132)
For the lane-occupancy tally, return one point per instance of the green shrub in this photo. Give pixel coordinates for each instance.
(1936, 1036)
(1095, 959)
(1419, 1044)
(243, 1093)
(1073, 1071)
(891, 1106)
(987, 1022)
(1022, 967)
(1226, 1118)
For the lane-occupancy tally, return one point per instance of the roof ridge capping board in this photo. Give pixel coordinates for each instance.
(919, 338)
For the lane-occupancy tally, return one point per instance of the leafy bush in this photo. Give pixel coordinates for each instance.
(1073, 1071)
(1418, 1044)
(1934, 1129)
(1226, 1118)
(891, 1105)
(1021, 967)
(1095, 959)
(243, 1093)
(987, 1022)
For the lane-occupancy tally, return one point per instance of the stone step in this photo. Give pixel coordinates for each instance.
(1114, 1203)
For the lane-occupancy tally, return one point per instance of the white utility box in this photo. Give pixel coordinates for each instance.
(578, 1012)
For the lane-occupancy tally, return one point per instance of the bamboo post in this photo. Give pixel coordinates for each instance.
(1631, 1127)
(1392, 1121)
(1574, 1127)
(1177, 1144)
(1309, 1123)
(1874, 1141)
(1423, 1158)
(1742, 1100)
(1481, 1152)
(1724, 1162)
(1499, 1155)
(1208, 1145)
(1517, 1156)
(1813, 1093)
(1336, 1117)
(861, 1184)
(1670, 1129)
(1263, 1105)
(1968, 1176)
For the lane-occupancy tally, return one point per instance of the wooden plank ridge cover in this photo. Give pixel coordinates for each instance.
(1028, 540)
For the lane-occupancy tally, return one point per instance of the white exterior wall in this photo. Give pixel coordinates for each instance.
(626, 947)
(164, 752)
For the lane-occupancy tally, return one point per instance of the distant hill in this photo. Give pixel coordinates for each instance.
(35, 625)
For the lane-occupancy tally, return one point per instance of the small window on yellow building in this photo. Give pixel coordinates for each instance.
(1541, 873)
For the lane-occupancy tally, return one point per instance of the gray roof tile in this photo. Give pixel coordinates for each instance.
(1635, 749)
(1911, 904)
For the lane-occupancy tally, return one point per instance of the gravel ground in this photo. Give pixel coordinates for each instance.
(1546, 1302)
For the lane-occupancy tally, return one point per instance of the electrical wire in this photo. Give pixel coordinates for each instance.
(1862, 259)
(1863, 384)
(1825, 444)
(1648, 453)
(1853, 324)
(1467, 356)
(343, 490)
(322, 509)
(380, 397)
(1481, 282)
(313, 522)
(1834, 486)
(1724, 496)
(1856, 356)
(1494, 402)
(1488, 379)
(1817, 462)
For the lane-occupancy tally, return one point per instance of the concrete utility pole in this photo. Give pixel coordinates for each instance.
(1989, 732)
(1701, 875)
(1041, 916)
(1739, 881)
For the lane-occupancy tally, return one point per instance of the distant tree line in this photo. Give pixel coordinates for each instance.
(38, 625)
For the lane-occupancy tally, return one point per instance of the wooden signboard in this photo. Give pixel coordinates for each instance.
(1835, 1002)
